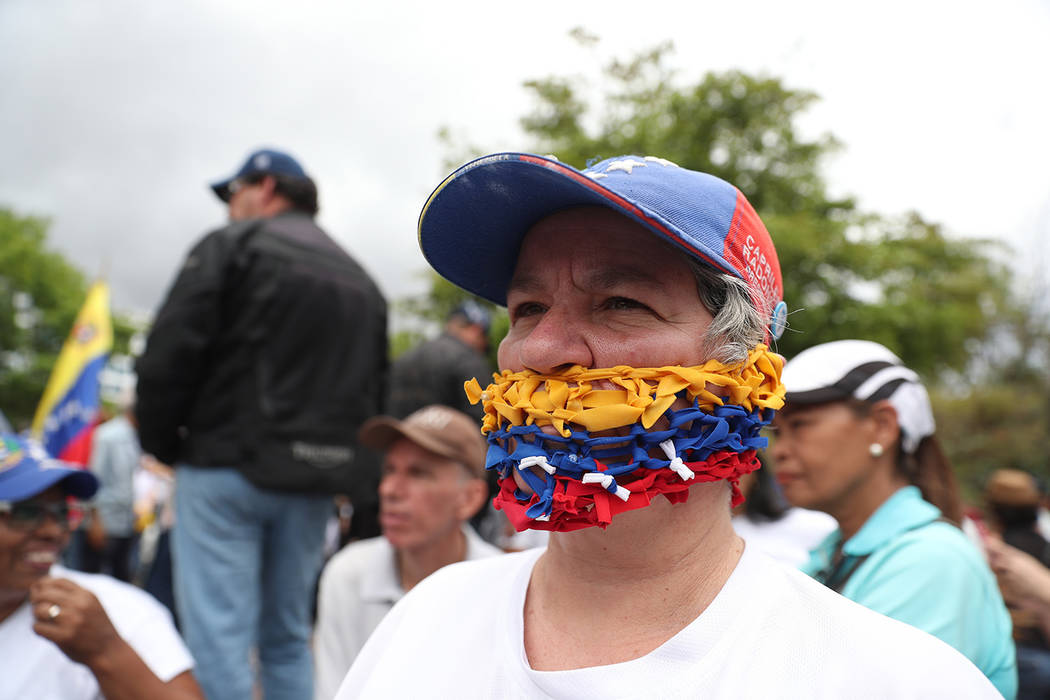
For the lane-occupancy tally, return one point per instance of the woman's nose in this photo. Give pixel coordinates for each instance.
(558, 341)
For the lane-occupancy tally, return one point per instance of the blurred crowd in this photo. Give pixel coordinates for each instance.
(276, 487)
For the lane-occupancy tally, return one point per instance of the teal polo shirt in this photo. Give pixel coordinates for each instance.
(928, 574)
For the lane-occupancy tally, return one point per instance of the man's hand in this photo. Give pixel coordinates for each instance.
(73, 619)
(1023, 581)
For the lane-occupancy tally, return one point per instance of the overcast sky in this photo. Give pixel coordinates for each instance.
(117, 113)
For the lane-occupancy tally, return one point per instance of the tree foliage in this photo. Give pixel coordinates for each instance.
(739, 127)
(898, 281)
(846, 273)
(40, 295)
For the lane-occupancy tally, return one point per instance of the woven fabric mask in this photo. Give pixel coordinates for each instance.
(591, 443)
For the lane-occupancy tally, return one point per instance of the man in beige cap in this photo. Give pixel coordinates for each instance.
(432, 483)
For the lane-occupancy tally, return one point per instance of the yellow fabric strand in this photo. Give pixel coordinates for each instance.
(528, 398)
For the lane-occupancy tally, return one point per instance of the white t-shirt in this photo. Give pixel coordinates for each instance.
(359, 586)
(789, 539)
(771, 632)
(35, 669)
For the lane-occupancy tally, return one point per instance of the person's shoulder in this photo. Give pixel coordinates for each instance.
(106, 432)
(478, 548)
(819, 612)
(227, 233)
(860, 645)
(465, 578)
(938, 546)
(483, 550)
(113, 429)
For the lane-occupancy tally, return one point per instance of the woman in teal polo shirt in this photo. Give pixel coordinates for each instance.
(856, 440)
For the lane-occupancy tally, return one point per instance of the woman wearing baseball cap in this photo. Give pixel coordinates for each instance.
(856, 439)
(66, 634)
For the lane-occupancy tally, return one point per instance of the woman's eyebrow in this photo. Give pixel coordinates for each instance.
(604, 278)
(610, 277)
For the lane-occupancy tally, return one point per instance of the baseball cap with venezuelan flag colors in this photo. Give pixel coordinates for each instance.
(26, 470)
(472, 226)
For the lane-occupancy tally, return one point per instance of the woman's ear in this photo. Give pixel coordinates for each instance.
(887, 430)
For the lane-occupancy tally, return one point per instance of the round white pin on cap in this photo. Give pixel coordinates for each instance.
(779, 321)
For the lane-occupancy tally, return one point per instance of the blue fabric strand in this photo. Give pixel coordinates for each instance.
(696, 436)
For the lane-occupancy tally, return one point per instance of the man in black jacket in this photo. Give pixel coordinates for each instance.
(267, 355)
(434, 371)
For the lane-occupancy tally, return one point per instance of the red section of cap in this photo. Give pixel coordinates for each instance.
(577, 505)
(750, 250)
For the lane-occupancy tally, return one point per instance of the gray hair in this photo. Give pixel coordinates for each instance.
(738, 326)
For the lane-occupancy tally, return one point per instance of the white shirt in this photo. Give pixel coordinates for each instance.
(790, 538)
(34, 668)
(771, 632)
(359, 586)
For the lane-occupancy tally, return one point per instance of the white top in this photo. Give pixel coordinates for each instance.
(789, 539)
(33, 667)
(359, 586)
(771, 632)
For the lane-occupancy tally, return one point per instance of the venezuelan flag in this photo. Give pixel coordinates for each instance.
(69, 407)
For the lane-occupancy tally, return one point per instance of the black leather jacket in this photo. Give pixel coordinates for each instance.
(434, 372)
(267, 355)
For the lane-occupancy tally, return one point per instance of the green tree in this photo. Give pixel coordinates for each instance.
(40, 295)
(846, 273)
(900, 282)
(739, 127)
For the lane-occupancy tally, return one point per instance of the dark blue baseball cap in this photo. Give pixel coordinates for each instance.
(474, 312)
(472, 226)
(26, 470)
(264, 161)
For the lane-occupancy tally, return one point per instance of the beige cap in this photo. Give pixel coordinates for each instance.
(440, 429)
(1012, 487)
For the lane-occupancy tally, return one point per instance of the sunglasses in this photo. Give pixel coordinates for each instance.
(236, 186)
(240, 183)
(29, 515)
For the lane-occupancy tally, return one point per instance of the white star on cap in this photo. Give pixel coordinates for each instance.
(625, 165)
(662, 161)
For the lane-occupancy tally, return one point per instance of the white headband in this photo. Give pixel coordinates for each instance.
(863, 370)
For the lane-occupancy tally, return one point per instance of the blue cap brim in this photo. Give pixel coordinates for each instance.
(222, 189)
(78, 483)
(471, 228)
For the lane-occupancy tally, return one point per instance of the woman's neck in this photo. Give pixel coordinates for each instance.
(600, 597)
(852, 515)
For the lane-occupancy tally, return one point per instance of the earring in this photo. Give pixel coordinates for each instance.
(875, 449)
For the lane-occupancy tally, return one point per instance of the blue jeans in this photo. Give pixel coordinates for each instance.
(1033, 672)
(245, 563)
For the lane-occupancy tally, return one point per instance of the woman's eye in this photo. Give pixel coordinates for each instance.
(528, 308)
(623, 304)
